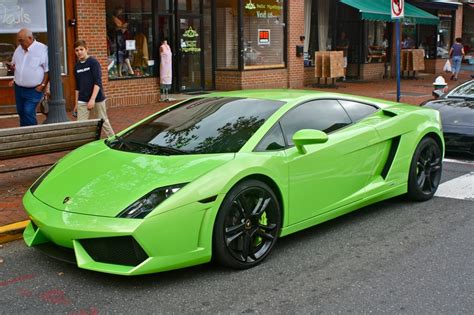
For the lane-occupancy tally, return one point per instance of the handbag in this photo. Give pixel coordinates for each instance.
(44, 106)
(447, 66)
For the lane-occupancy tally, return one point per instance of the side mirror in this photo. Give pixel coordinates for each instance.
(308, 136)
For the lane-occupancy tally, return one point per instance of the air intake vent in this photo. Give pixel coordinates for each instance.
(122, 250)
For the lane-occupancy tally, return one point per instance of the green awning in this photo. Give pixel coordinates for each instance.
(379, 10)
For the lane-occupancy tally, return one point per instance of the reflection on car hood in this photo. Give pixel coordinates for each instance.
(105, 181)
(454, 111)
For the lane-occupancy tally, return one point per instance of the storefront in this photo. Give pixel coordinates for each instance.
(367, 28)
(215, 44)
(31, 14)
(437, 39)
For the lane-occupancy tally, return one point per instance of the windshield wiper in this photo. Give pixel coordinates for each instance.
(119, 139)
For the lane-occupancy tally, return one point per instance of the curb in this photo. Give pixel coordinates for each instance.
(12, 231)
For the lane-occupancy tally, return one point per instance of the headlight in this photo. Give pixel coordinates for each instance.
(140, 208)
(40, 179)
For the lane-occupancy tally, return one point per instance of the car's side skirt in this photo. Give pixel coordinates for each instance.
(389, 193)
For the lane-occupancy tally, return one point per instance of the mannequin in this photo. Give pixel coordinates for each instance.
(165, 69)
(121, 32)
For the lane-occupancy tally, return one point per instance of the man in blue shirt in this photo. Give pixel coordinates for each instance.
(90, 95)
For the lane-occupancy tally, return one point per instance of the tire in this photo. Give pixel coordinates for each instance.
(425, 170)
(247, 225)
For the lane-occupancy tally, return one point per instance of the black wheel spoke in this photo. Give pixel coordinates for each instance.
(246, 247)
(261, 207)
(240, 207)
(421, 180)
(230, 239)
(428, 183)
(233, 233)
(262, 234)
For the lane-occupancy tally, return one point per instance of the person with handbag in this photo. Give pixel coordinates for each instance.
(456, 53)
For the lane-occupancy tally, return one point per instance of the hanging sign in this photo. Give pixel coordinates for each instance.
(397, 9)
(264, 37)
(189, 41)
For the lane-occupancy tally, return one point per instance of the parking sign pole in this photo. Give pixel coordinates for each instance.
(397, 26)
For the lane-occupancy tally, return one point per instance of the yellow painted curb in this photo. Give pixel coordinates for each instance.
(12, 231)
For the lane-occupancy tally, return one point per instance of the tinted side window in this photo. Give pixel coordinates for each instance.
(273, 140)
(356, 110)
(324, 115)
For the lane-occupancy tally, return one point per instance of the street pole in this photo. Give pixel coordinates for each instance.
(57, 104)
(397, 31)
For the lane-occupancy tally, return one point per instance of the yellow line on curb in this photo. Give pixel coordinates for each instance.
(11, 228)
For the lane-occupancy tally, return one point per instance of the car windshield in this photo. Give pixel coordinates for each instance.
(465, 90)
(198, 126)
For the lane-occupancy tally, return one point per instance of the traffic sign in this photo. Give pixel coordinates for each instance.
(397, 9)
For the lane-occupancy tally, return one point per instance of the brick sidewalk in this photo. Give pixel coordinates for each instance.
(14, 184)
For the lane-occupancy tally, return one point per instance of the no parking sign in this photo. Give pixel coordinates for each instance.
(397, 9)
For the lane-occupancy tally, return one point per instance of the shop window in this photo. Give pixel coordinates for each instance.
(444, 34)
(25, 14)
(227, 34)
(129, 39)
(377, 41)
(428, 40)
(264, 34)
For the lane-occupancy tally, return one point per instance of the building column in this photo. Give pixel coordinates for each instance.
(295, 29)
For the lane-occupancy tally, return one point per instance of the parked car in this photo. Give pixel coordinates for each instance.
(457, 116)
(224, 175)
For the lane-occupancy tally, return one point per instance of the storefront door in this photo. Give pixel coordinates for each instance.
(190, 65)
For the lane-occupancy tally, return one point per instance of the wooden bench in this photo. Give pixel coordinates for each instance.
(40, 139)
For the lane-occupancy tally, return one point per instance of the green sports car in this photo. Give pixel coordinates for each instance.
(222, 176)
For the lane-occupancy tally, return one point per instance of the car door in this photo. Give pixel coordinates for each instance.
(331, 174)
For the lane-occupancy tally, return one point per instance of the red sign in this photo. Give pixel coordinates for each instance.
(397, 9)
(264, 37)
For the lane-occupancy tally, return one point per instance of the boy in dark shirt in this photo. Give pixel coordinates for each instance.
(89, 91)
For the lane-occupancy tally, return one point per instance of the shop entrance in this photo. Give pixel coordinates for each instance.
(190, 65)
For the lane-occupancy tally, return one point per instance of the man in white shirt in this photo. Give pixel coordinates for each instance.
(30, 63)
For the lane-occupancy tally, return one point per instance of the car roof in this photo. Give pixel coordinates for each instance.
(297, 96)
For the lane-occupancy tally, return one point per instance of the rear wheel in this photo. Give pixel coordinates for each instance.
(425, 170)
(247, 225)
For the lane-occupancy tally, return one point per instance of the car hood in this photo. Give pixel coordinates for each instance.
(106, 182)
(454, 112)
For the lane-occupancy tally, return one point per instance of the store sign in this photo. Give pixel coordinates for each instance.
(18, 14)
(264, 37)
(189, 41)
(263, 9)
(397, 9)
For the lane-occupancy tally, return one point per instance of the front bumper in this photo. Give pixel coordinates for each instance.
(456, 142)
(170, 240)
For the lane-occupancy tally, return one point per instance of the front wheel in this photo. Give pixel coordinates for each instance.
(425, 170)
(247, 225)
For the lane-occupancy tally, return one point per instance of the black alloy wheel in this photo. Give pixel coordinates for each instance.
(247, 225)
(425, 170)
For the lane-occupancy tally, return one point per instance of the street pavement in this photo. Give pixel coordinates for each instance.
(395, 257)
(14, 182)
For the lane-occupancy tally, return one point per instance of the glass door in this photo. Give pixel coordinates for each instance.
(190, 63)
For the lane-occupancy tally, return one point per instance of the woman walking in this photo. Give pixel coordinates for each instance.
(456, 53)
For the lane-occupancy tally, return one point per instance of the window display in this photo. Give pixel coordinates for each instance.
(264, 30)
(18, 14)
(129, 39)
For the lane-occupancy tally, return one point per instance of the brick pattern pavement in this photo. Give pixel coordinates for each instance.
(14, 184)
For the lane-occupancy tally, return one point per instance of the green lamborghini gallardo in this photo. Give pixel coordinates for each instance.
(224, 175)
